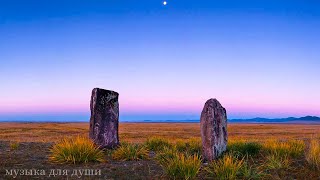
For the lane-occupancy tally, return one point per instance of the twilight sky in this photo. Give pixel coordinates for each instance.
(258, 58)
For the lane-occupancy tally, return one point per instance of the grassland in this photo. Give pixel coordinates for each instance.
(268, 151)
(139, 132)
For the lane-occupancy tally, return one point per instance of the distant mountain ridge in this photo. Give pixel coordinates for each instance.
(85, 118)
(306, 119)
(294, 120)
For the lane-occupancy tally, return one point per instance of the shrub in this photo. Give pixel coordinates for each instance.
(14, 145)
(244, 148)
(181, 166)
(292, 148)
(76, 150)
(157, 143)
(191, 146)
(225, 168)
(313, 154)
(129, 152)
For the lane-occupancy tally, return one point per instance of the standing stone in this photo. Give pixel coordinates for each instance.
(104, 120)
(213, 124)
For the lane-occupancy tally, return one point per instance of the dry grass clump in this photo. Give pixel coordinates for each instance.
(280, 153)
(157, 143)
(225, 168)
(179, 165)
(297, 147)
(276, 161)
(292, 148)
(165, 154)
(313, 154)
(76, 150)
(249, 172)
(14, 145)
(129, 152)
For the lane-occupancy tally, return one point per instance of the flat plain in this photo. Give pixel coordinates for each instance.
(36, 139)
(139, 132)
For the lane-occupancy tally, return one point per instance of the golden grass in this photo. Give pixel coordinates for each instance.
(225, 168)
(157, 143)
(177, 147)
(165, 154)
(249, 172)
(129, 152)
(313, 154)
(190, 146)
(276, 161)
(292, 148)
(76, 150)
(139, 132)
(181, 160)
(180, 165)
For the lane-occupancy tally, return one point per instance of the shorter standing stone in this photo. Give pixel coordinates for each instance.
(104, 120)
(213, 127)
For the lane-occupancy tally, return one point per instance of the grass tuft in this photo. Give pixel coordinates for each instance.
(292, 148)
(249, 172)
(313, 154)
(191, 146)
(180, 165)
(297, 148)
(226, 168)
(277, 161)
(14, 145)
(157, 143)
(244, 148)
(167, 153)
(130, 152)
(76, 150)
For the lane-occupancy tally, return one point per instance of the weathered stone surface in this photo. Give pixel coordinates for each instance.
(104, 120)
(213, 124)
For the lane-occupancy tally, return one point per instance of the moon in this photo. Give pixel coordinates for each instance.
(164, 3)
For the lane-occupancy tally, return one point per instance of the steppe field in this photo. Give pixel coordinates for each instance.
(255, 151)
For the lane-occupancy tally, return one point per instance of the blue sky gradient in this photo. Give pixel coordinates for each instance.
(258, 58)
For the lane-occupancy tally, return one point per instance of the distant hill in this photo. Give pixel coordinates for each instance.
(301, 120)
(306, 119)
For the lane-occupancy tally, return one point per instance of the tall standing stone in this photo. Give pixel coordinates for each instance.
(104, 120)
(213, 124)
